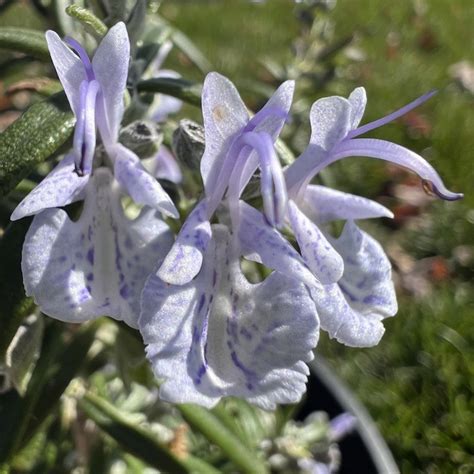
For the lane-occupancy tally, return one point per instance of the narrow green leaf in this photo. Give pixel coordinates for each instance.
(15, 305)
(210, 426)
(93, 24)
(135, 22)
(23, 352)
(59, 362)
(187, 91)
(33, 138)
(67, 25)
(137, 440)
(228, 420)
(116, 11)
(185, 44)
(31, 42)
(64, 369)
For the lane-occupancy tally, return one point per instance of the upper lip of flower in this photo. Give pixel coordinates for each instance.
(334, 123)
(245, 143)
(94, 88)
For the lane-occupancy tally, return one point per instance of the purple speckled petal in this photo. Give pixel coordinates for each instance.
(352, 310)
(263, 243)
(221, 336)
(318, 254)
(224, 116)
(184, 260)
(166, 166)
(330, 123)
(322, 204)
(110, 65)
(76, 271)
(358, 101)
(142, 187)
(62, 186)
(394, 153)
(342, 322)
(367, 280)
(69, 68)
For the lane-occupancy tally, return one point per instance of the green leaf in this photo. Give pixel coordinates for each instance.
(31, 42)
(92, 24)
(67, 25)
(187, 91)
(15, 305)
(59, 362)
(215, 431)
(185, 44)
(137, 440)
(33, 138)
(23, 352)
(135, 22)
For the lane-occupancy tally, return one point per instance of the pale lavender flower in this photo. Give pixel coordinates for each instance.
(210, 333)
(95, 92)
(79, 270)
(357, 290)
(97, 265)
(236, 145)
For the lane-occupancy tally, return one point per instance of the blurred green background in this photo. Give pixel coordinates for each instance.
(418, 383)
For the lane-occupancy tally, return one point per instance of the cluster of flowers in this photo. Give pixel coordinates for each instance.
(209, 332)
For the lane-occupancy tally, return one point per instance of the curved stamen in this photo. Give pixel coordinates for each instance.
(232, 157)
(81, 52)
(273, 186)
(263, 114)
(384, 150)
(391, 117)
(78, 140)
(85, 154)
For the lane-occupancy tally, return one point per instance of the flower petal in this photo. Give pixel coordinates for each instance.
(62, 186)
(69, 68)
(184, 260)
(322, 204)
(352, 309)
(110, 65)
(222, 336)
(96, 266)
(166, 166)
(263, 243)
(272, 116)
(142, 187)
(358, 101)
(224, 116)
(330, 123)
(367, 280)
(394, 153)
(342, 322)
(319, 255)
